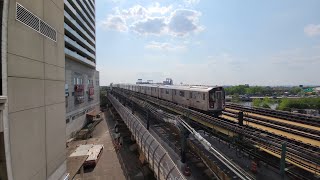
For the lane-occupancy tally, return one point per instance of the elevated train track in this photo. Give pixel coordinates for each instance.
(292, 131)
(226, 168)
(303, 155)
(313, 121)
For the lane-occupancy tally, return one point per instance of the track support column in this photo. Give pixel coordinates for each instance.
(283, 158)
(184, 135)
(148, 119)
(132, 107)
(240, 118)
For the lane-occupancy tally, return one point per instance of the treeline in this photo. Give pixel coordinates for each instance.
(301, 103)
(286, 104)
(261, 90)
(243, 89)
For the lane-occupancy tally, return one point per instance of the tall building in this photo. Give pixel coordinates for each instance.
(32, 100)
(82, 79)
(48, 81)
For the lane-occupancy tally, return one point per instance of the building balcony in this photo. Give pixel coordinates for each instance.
(85, 6)
(78, 47)
(78, 37)
(82, 13)
(79, 18)
(74, 24)
(77, 57)
(90, 5)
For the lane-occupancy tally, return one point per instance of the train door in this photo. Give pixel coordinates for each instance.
(219, 99)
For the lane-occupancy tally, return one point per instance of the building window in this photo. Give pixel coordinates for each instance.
(67, 120)
(190, 96)
(204, 96)
(181, 93)
(97, 83)
(79, 81)
(167, 91)
(74, 81)
(175, 92)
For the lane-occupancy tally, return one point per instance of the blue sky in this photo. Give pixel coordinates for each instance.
(209, 42)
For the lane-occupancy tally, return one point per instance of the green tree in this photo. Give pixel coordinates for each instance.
(301, 103)
(256, 102)
(235, 98)
(295, 90)
(103, 98)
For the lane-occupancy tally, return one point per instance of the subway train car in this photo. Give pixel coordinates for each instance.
(208, 99)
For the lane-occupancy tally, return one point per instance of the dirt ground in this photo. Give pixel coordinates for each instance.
(108, 167)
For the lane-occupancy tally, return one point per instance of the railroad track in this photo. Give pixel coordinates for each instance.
(294, 117)
(307, 155)
(286, 127)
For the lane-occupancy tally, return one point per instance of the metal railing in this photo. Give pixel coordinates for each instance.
(158, 158)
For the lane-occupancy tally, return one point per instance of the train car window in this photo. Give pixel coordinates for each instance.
(167, 91)
(190, 96)
(181, 93)
(204, 96)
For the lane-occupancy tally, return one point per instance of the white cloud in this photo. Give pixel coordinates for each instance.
(115, 23)
(157, 9)
(184, 21)
(164, 46)
(138, 12)
(148, 26)
(155, 20)
(312, 30)
(191, 2)
(135, 12)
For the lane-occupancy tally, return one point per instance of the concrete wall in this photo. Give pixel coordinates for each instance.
(76, 117)
(3, 167)
(36, 92)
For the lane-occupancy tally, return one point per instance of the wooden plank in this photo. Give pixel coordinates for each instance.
(74, 164)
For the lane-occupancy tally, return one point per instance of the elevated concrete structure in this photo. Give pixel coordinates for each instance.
(32, 144)
(155, 154)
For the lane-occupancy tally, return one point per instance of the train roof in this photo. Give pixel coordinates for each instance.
(185, 88)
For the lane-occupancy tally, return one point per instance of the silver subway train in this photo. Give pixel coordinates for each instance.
(208, 99)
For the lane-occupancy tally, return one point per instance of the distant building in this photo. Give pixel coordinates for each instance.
(168, 81)
(146, 82)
